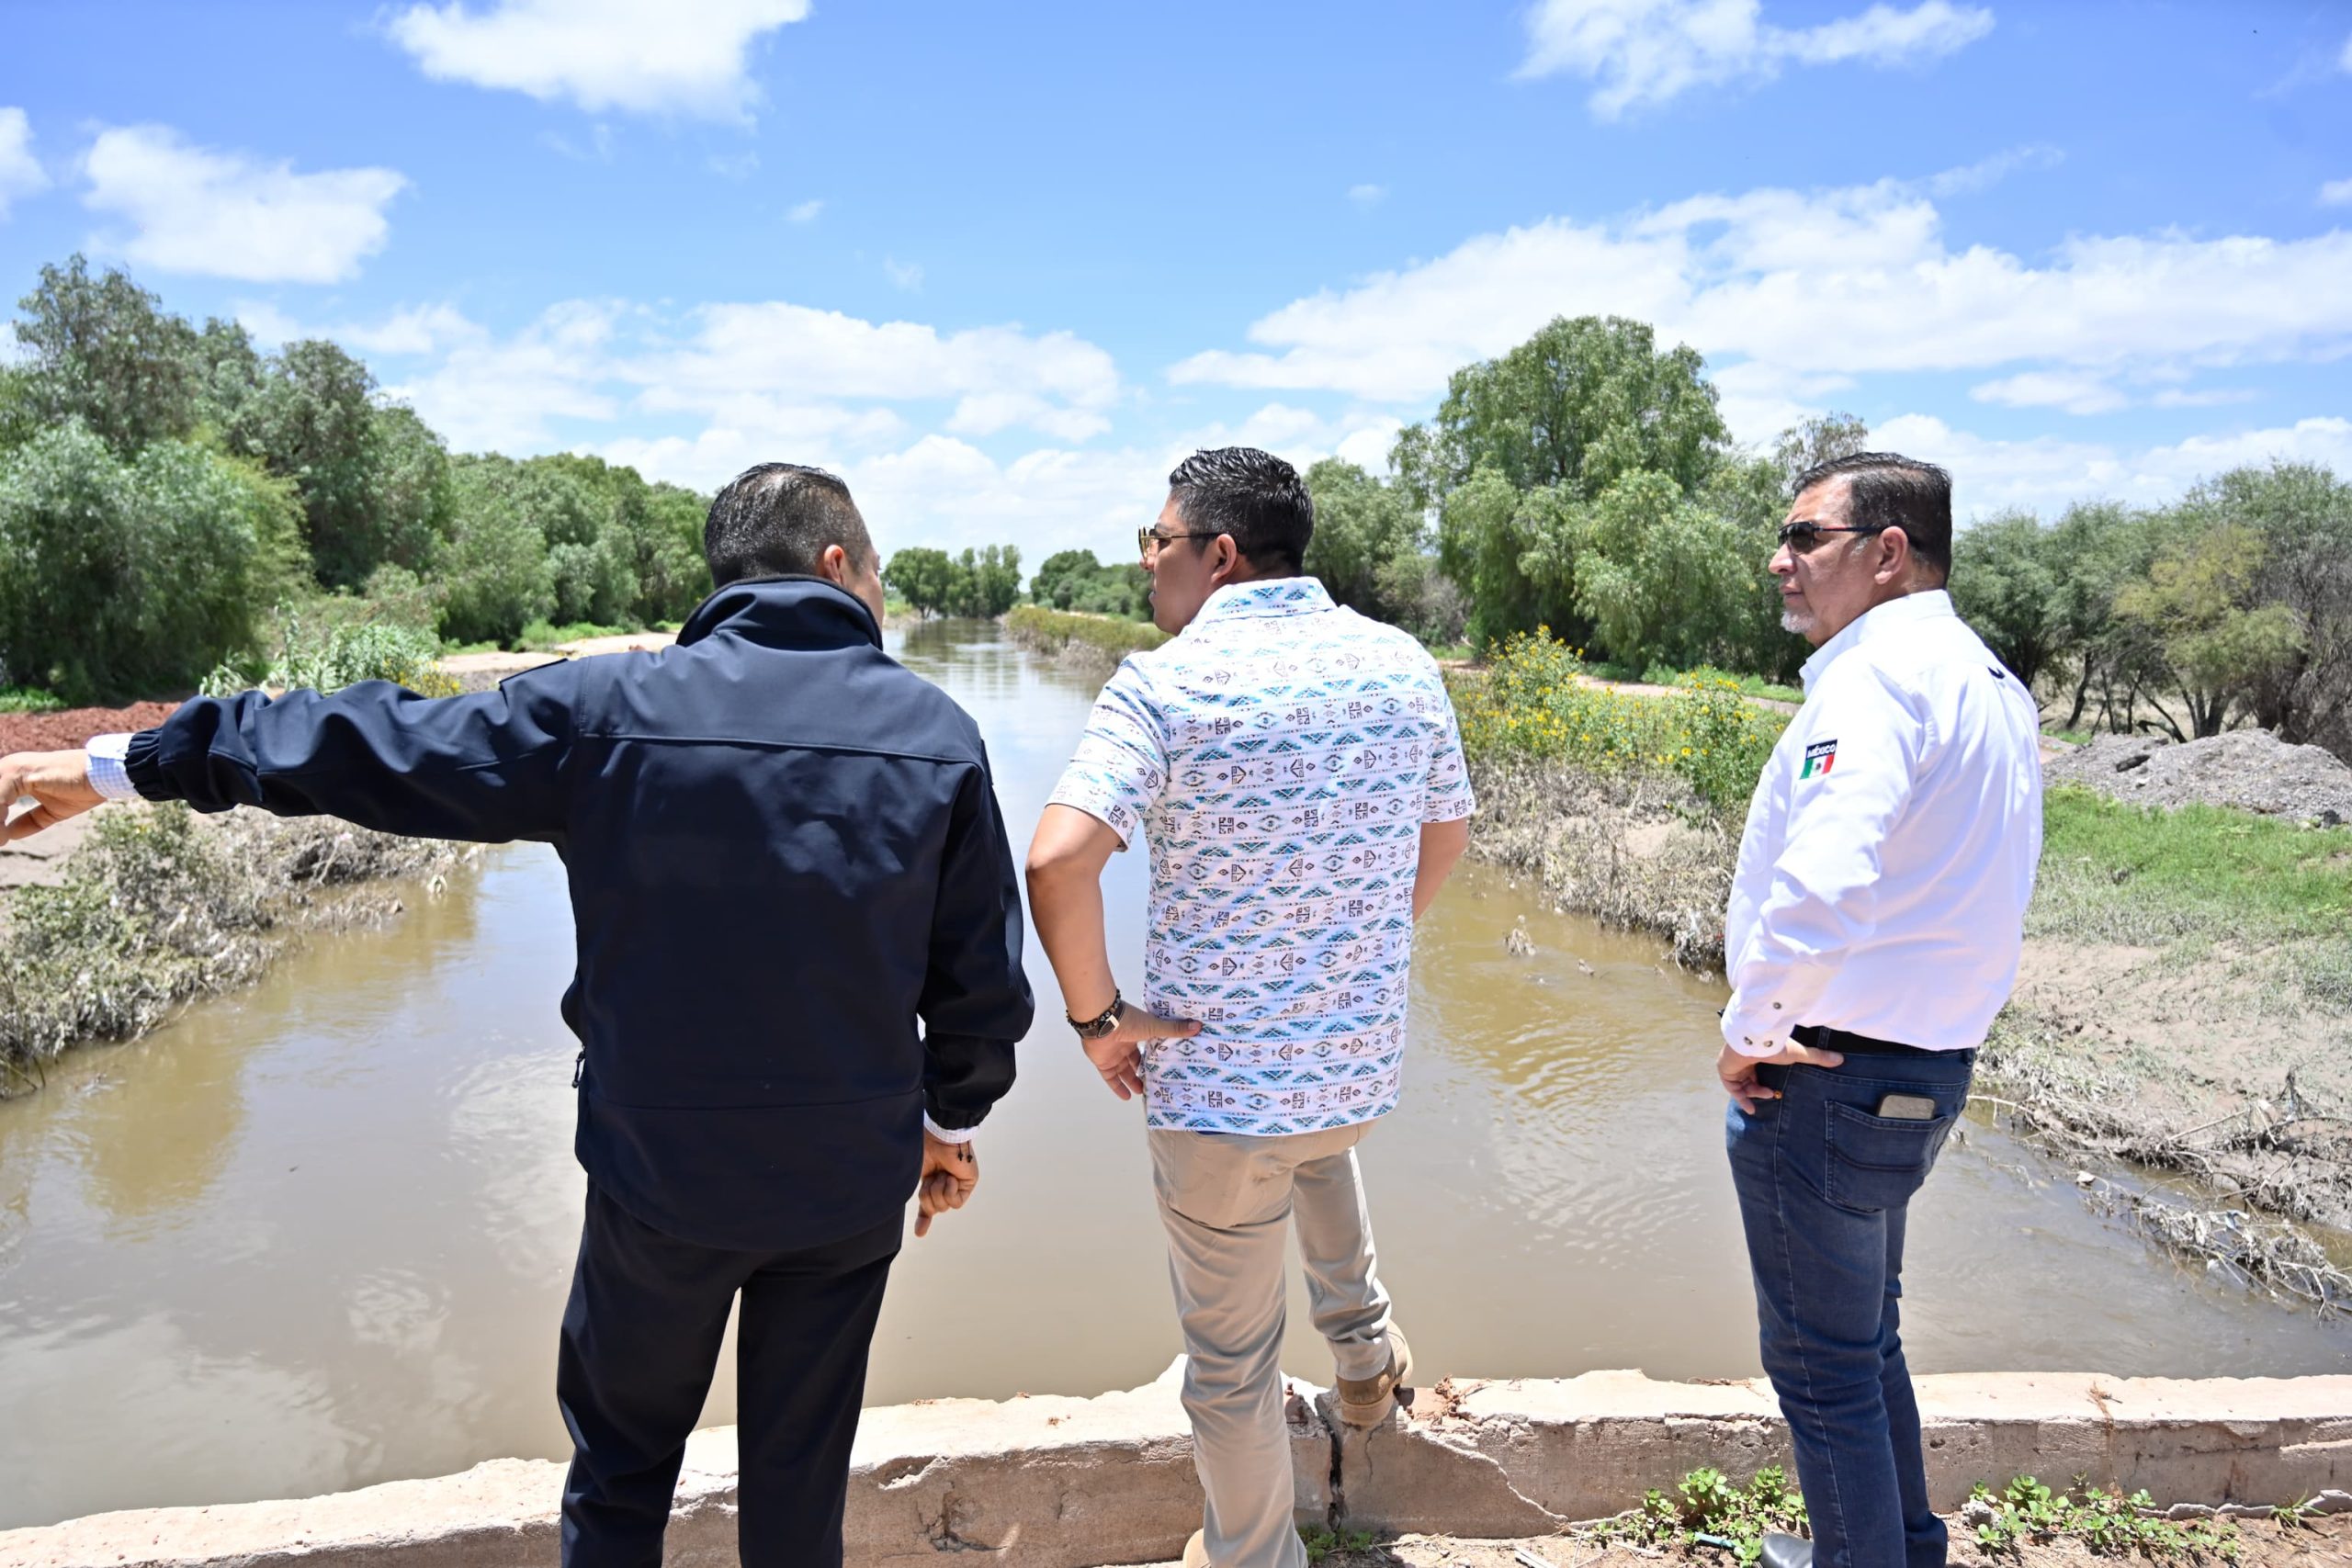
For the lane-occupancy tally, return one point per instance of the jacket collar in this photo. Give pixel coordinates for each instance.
(1879, 620)
(1264, 596)
(783, 612)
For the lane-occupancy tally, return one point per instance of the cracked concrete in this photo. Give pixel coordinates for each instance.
(1061, 1483)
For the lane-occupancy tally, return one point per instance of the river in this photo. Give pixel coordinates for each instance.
(316, 1235)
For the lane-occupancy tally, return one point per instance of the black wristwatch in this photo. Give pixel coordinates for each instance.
(1097, 1027)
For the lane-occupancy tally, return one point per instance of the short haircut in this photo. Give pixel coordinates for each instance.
(777, 520)
(1885, 490)
(1253, 495)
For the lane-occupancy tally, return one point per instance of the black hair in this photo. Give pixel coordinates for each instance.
(1253, 495)
(777, 520)
(1886, 490)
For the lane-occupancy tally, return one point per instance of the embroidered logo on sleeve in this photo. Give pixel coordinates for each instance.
(1818, 758)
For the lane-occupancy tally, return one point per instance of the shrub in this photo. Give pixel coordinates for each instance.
(329, 658)
(1535, 701)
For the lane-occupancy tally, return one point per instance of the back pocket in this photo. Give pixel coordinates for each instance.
(1877, 1162)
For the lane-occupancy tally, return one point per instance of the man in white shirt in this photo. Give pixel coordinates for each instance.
(1297, 772)
(1873, 931)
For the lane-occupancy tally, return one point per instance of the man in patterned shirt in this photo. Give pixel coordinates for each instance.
(1297, 770)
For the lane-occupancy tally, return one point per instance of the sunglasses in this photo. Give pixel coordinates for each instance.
(1802, 537)
(1149, 543)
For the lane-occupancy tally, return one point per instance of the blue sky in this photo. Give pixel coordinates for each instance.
(1001, 265)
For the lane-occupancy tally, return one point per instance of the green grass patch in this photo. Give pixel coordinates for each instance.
(2196, 878)
(1536, 700)
(541, 637)
(29, 699)
(1053, 631)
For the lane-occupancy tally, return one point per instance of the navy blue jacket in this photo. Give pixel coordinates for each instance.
(784, 849)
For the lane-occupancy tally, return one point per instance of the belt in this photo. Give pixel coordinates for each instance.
(1846, 1043)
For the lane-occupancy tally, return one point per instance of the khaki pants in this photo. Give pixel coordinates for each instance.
(1226, 1198)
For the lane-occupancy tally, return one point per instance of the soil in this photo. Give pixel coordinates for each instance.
(74, 726)
(2261, 1544)
(2252, 769)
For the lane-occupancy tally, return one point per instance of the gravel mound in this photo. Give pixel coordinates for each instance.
(2251, 770)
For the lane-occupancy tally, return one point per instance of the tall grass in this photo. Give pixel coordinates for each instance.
(1535, 701)
(1070, 634)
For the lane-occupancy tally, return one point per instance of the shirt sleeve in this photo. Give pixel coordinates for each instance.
(1121, 765)
(1449, 797)
(108, 775)
(1862, 754)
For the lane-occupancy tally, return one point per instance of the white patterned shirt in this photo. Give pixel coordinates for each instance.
(1281, 755)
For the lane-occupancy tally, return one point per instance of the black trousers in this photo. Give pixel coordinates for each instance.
(641, 1340)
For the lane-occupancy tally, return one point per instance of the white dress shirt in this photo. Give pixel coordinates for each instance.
(1891, 842)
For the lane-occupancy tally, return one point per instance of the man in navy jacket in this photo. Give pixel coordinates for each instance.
(784, 849)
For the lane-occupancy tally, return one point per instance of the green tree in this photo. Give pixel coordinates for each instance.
(2005, 584)
(126, 577)
(925, 577)
(493, 570)
(103, 351)
(2197, 608)
(1062, 577)
(1811, 442)
(1525, 445)
(1361, 527)
(988, 582)
(1659, 574)
(2302, 513)
(373, 479)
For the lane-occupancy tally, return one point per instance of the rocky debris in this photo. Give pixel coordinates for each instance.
(2250, 770)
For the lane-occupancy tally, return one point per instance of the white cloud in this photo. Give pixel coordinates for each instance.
(1367, 196)
(773, 348)
(2344, 60)
(2216, 397)
(735, 165)
(906, 275)
(689, 57)
(1987, 172)
(409, 331)
(1642, 53)
(2336, 193)
(806, 211)
(21, 172)
(2047, 474)
(486, 396)
(2071, 391)
(226, 215)
(1788, 290)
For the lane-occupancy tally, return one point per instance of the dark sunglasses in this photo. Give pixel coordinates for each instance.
(1802, 537)
(1149, 544)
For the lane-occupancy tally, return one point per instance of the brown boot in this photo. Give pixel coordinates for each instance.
(1366, 1402)
(1196, 1552)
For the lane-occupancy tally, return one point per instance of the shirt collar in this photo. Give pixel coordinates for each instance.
(1264, 596)
(1877, 621)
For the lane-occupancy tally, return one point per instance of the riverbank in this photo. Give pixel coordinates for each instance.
(1094, 643)
(1067, 1483)
(2181, 1033)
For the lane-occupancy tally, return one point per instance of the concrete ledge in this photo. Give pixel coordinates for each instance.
(1058, 1483)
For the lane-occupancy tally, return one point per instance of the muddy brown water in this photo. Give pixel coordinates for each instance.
(316, 1235)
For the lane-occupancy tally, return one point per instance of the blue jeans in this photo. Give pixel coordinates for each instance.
(1824, 1186)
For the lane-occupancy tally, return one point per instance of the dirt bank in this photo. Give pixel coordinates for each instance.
(74, 726)
(2181, 1031)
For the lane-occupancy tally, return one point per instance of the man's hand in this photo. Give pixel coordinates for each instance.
(1118, 1055)
(58, 782)
(950, 1172)
(1738, 1072)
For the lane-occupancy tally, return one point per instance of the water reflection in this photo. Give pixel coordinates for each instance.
(317, 1234)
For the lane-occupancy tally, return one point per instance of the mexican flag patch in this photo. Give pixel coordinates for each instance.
(1818, 758)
